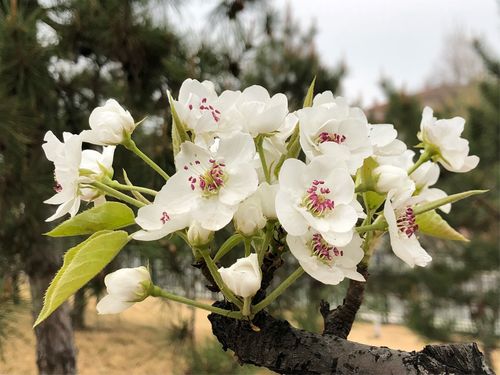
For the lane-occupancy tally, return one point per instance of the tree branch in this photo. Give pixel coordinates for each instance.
(339, 321)
(287, 350)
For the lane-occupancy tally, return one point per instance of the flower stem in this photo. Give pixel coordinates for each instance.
(115, 193)
(158, 292)
(227, 246)
(265, 244)
(248, 248)
(262, 157)
(130, 145)
(246, 306)
(378, 224)
(140, 189)
(279, 290)
(218, 279)
(425, 156)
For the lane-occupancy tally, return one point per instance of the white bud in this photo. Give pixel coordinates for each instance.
(267, 196)
(125, 287)
(391, 178)
(198, 236)
(249, 218)
(243, 277)
(108, 124)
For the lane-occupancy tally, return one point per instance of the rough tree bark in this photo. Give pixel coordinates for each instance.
(277, 345)
(55, 347)
(287, 350)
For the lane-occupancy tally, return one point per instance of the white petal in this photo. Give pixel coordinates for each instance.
(293, 222)
(241, 183)
(111, 305)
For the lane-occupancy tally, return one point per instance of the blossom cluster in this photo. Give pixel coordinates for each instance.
(246, 160)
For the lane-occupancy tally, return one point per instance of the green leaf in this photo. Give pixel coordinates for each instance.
(374, 200)
(179, 133)
(421, 208)
(430, 223)
(308, 100)
(81, 264)
(109, 215)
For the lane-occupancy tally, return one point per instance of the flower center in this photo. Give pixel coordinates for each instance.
(204, 106)
(316, 201)
(209, 180)
(164, 217)
(330, 137)
(323, 250)
(406, 222)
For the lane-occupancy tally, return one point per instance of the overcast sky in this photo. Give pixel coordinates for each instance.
(400, 39)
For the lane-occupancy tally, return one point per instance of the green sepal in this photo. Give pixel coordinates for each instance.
(308, 100)
(432, 224)
(81, 263)
(109, 215)
(179, 133)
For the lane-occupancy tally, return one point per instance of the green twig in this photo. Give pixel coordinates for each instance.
(218, 279)
(130, 145)
(158, 292)
(117, 194)
(279, 290)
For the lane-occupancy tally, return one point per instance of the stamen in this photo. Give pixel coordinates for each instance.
(164, 217)
(406, 222)
(57, 187)
(318, 204)
(208, 180)
(323, 250)
(330, 137)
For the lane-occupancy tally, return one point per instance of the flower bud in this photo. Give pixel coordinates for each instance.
(243, 277)
(267, 195)
(249, 218)
(391, 178)
(125, 287)
(109, 124)
(198, 236)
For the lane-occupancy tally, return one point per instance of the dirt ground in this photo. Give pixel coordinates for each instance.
(136, 341)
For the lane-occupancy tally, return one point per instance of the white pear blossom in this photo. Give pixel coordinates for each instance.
(400, 219)
(318, 195)
(244, 277)
(327, 263)
(261, 113)
(205, 113)
(109, 124)
(211, 185)
(125, 287)
(442, 137)
(333, 128)
(249, 218)
(72, 168)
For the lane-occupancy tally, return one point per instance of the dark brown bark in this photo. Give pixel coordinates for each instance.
(56, 353)
(78, 310)
(287, 350)
(339, 321)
